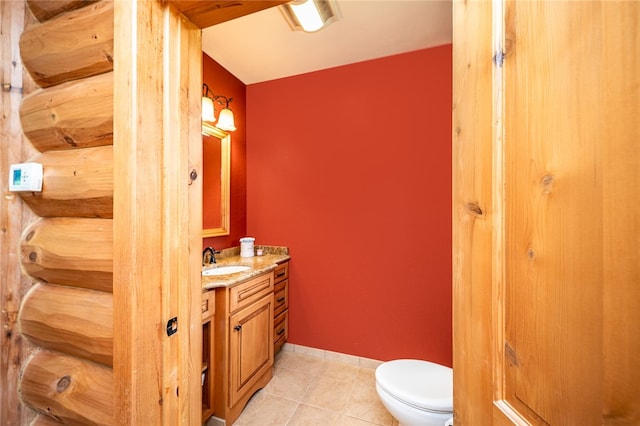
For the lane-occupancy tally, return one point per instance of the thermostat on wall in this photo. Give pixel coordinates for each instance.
(25, 177)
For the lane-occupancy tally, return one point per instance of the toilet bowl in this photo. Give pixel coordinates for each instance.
(416, 393)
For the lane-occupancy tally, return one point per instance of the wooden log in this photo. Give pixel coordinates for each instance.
(71, 251)
(47, 9)
(76, 183)
(76, 114)
(74, 45)
(70, 320)
(71, 390)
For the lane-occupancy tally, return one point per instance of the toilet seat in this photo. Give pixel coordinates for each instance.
(421, 384)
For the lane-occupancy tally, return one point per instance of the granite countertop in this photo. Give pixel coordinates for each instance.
(271, 257)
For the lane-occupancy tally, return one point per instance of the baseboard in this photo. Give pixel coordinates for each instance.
(332, 356)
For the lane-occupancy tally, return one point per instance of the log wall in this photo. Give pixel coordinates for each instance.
(118, 236)
(68, 253)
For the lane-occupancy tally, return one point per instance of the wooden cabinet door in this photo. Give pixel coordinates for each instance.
(546, 213)
(250, 346)
(208, 354)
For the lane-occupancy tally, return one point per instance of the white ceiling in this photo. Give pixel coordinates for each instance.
(261, 46)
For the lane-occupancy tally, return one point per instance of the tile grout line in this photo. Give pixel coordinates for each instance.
(323, 370)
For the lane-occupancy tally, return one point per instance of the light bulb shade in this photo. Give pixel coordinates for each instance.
(225, 120)
(207, 110)
(308, 15)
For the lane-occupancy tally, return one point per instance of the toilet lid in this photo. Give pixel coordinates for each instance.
(422, 384)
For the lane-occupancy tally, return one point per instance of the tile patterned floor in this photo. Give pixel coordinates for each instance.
(326, 390)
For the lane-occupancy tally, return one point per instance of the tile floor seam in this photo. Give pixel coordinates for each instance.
(268, 392)
(293, 413)
(330, 400)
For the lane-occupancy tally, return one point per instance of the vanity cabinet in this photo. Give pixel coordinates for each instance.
(244, 343)
(281, 306)
(208, 361)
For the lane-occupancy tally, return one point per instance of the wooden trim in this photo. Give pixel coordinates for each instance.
(138, 186)
(225, 181)
(182, 214)
(503, 412)
(205, 13)
(472, 219)
(498, 245)
(621, 214)
(157, 221)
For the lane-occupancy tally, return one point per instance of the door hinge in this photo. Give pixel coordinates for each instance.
(172, 326)
(498, 58)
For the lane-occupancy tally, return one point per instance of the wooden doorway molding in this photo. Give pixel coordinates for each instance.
(157, 215)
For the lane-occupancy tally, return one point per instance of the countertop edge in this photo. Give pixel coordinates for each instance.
(259, 265)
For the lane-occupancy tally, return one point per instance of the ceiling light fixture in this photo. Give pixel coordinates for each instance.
(225, 116)
(310, 15)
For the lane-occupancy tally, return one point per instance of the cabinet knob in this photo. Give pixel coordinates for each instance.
(237, 327)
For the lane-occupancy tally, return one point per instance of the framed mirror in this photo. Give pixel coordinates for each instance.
(216, 163)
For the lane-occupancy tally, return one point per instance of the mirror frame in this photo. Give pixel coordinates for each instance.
(225, 166)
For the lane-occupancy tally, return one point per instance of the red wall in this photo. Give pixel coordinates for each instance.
(351, 169)
(222, 82)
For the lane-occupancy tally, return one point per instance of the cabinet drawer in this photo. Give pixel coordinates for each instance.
(243, 294)
(280, 297)
(281, 272)
(208, 304)
(280, 329)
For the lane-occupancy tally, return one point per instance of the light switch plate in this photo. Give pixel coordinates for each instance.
(25, 177)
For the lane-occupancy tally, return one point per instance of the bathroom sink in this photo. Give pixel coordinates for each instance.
(224, 270)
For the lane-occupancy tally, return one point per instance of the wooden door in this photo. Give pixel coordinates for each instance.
(250, 346)
(546, 219)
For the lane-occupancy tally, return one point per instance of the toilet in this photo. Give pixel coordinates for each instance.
(416, 392)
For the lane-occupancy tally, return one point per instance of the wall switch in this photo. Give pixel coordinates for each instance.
(25, 177)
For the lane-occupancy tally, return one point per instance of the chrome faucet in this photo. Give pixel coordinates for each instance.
(211, 258)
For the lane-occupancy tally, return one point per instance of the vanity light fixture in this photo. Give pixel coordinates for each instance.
(225, 116)
(310, 15)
